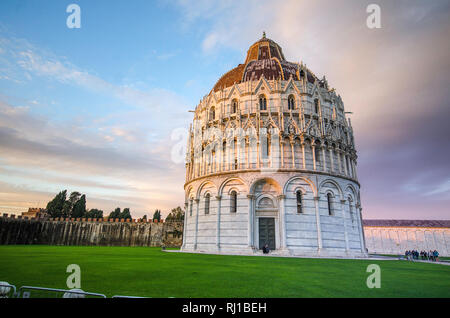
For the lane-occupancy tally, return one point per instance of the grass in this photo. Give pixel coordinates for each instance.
(140, 271)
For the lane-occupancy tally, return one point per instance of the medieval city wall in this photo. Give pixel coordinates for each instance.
(89, 232)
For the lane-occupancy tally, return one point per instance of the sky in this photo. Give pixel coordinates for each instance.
(103, 109)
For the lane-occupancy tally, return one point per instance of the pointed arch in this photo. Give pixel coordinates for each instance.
(262, 81)
(234, 88)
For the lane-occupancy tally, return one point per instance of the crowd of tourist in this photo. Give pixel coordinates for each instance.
(423, 255)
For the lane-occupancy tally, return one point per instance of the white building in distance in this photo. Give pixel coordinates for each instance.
(397, 236)
(271, 160)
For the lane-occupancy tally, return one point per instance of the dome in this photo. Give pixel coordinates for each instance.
(264, 58)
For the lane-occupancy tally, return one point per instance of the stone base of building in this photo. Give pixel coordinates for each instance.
(287, 252)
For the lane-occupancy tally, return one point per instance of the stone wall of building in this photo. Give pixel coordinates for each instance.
(88, 232)
(398, 236)
(219, 229)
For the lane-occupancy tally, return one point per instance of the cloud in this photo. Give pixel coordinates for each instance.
(124, 154)
(39, 62)
(395, 80)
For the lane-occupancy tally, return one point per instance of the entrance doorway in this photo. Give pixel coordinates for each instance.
(267, 232)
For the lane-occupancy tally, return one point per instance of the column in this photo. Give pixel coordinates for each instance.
(293, 154)
(250, 220)
(352, 163)
(313, 149)
(282, 221)
(345, 225)
(186, 205)
(282, 152)
(247, 144)
(197, 201)
(303, 155)
(218, 198)
(354, 169)
(324, 158)
(345, 164)
(361, 230)
(319, 231)
(338, 153)
(330, 150)
(258, 154)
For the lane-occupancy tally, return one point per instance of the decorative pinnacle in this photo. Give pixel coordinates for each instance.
(264, 34)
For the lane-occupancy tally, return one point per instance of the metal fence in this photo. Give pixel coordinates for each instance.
(10, 291)
(7, 290)
(43, 292)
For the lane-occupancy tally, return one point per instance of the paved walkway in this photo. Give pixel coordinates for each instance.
(431, 262)
(371, 257)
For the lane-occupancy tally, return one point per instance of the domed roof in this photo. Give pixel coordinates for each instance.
(264, 58)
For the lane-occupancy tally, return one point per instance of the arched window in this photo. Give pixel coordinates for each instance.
(330, 203)
(207, 200)
(233, 202)
(291, 102)
(212, 113)
(299, 202)
(234, 106)
(316, 106)
(262, 102)
(190, 207)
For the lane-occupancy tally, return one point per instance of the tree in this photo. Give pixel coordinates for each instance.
(125, 214)
(144, 217)
(115, 214)
(179, 215)
(176, 214)
(94, 214)
(69, 204)
(79, 207)
(157, 215)
(55, 206)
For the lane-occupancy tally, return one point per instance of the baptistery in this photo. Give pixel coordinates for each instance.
(271, 161)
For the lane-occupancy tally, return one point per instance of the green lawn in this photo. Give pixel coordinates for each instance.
(140, 271)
